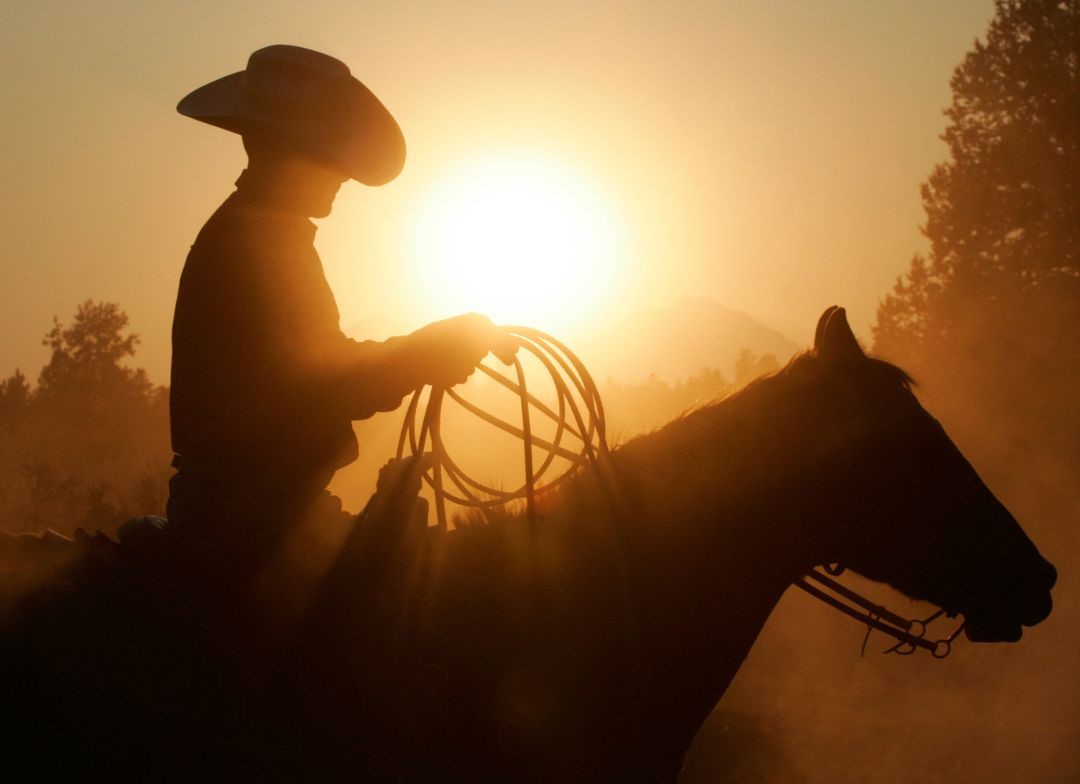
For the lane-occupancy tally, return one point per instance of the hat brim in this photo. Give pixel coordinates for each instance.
(370, 151)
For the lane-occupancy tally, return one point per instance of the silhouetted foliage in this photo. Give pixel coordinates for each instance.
(14, 399)
(88, 446)
(749, 366)
(85, 361)
(993, 312)
(633, 409)
(1003, 212)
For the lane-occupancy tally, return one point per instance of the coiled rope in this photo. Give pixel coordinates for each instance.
(578, 416)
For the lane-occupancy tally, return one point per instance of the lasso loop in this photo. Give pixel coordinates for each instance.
(578, 415)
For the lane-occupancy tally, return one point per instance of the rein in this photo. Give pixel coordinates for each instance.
(910, 633)
(579, 413)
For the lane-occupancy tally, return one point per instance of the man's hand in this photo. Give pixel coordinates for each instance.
(404, 475)
(447, 352)
(396, 504)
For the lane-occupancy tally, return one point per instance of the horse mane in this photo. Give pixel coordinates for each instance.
(803, 367)
(798, 381)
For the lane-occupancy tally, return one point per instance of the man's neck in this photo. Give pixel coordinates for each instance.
(287, 191)
(262, 187)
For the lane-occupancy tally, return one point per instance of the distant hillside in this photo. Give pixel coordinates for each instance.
(678, 341)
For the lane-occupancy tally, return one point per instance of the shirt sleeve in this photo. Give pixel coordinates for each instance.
(349, 378)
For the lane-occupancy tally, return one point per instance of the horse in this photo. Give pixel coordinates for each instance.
(587, 641)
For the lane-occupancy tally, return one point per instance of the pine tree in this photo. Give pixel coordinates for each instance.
(85, 370)
(1003, 212)
(89, 445)
(989, 320)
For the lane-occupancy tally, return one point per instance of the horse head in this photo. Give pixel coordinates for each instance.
(916, 515)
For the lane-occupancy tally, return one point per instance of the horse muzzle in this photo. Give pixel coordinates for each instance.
(1025, 601)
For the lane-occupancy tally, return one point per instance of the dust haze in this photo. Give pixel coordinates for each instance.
(987, 321)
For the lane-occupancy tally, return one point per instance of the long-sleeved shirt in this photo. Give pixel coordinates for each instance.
(263, 380)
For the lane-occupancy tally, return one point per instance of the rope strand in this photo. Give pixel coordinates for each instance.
(578, 414)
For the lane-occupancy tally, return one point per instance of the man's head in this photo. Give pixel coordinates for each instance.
(293, 102)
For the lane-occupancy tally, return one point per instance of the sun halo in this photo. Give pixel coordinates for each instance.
(522, 238)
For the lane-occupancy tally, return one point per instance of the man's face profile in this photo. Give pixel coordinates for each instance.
(316, 184)
(295, 176)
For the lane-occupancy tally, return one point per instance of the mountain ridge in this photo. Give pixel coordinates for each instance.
(678, 341)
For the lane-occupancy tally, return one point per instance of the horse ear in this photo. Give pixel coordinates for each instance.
(820, 330)
(833, 336)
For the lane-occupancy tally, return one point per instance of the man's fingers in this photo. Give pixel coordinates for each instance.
(422, 462)
(506, 346)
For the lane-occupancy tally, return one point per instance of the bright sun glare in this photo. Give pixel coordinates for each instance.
(521, 238)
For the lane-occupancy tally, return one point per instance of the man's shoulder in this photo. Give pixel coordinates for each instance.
(241, 226)
(232, 218)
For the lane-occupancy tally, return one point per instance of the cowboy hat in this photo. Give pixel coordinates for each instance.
(308, 100)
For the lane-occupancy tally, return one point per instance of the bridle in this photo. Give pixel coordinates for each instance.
(909, 633)
(579, 414)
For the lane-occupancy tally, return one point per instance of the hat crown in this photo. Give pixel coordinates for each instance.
(294, 78)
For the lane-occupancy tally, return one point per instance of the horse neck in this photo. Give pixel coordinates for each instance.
(721, 526)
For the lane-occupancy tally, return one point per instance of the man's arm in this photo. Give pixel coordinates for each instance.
(375, 376)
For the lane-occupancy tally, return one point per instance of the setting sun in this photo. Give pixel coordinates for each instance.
(519, 237)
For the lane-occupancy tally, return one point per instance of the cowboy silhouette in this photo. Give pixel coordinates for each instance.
(264, 383)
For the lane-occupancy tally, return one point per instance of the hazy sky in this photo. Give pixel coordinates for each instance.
(765, 154)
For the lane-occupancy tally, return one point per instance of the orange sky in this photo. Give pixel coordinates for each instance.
(765, 154)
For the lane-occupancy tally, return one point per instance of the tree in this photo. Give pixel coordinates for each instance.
(749, 366)
(89, 445)
(989, 320)
(1003, 213)
(85, 369)
(14, 398)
